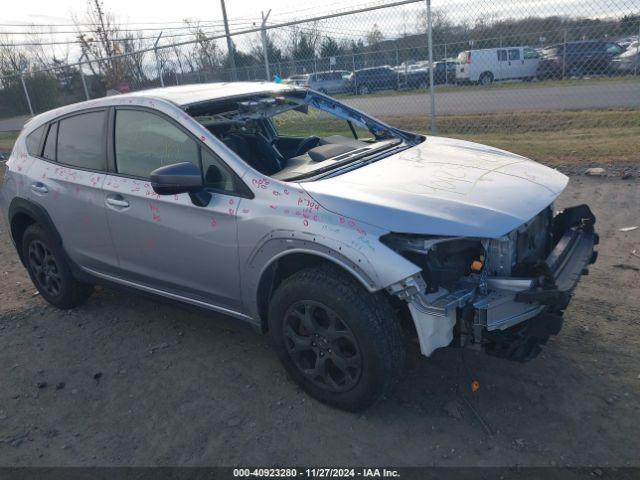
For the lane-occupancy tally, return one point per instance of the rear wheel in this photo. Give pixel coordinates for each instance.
(49, 270)
(340, 343)
(486, 78)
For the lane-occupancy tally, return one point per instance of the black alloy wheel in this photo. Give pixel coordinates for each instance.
(45, 268)
(322, 346)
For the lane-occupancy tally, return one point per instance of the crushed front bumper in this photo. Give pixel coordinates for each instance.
(517, 322)
(511, 317)
(549, 283)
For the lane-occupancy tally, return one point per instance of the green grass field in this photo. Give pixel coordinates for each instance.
(553, 138)
(6, 140)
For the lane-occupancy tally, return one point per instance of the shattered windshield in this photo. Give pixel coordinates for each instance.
(297, 134)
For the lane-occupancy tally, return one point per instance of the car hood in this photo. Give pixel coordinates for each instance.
(443, 187)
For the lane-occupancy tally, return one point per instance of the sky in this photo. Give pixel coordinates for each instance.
(244, 14)
(61, 11)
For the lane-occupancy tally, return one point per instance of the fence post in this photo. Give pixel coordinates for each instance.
(355, 77)
(265, 52)
(446, 67)
(564, 55)
(431, 91)
(397, 65)
(635, 68)
(158, 66)
(26, 93)
(84, 82)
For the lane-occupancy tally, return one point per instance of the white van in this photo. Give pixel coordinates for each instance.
(485, 66)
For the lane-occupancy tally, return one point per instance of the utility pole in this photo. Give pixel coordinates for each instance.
(158, 66)
(232, 60)
(431, 92)
(265, 43)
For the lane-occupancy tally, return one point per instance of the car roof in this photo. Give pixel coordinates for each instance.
(373, 68)
(181, 96)
(188, 94)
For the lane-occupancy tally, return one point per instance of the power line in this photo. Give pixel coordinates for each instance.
(122, 39)
(116, 28)
(123, 23)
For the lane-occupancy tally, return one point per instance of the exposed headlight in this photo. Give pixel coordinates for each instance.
(443, 260)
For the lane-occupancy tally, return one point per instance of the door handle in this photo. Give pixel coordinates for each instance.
(117, 201)
(39, 187)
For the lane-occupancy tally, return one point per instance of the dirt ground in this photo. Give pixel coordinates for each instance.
(125, 380)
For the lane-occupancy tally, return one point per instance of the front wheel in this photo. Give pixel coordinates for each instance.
(340, 343)
(363, 90)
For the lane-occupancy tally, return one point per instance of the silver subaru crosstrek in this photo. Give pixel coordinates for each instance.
(335, 233)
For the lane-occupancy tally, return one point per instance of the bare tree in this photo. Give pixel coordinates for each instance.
(207, 54)
(101, 41)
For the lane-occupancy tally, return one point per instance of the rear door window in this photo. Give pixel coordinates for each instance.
(502, 55)
(81, 141)
(33, 141)
(514, 54)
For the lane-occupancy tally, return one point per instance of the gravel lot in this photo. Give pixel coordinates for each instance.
(125, 380)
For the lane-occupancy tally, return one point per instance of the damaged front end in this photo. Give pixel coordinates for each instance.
(505, 296)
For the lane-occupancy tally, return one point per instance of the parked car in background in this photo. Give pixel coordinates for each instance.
(445, 71)
(577, 58)
(490, 64)
(413, 75)
(367, 80)
(334, 81)
(627, 41)
(628, 61)
(417, 75)
(296, 79)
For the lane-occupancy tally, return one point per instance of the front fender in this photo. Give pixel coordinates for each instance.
(276, 245)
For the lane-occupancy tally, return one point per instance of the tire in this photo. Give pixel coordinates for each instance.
(49, 270)
(363, 353)
(364, 90)
(486, 78)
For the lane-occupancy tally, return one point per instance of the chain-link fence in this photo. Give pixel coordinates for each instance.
(458, 67)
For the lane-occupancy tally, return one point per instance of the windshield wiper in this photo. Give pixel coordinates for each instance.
(346, 161)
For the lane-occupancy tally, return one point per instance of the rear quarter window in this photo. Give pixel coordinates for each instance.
(33, 141)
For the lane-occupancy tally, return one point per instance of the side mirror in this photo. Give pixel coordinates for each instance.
(182, 177)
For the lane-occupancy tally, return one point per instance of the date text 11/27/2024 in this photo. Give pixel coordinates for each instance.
(316, 472)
